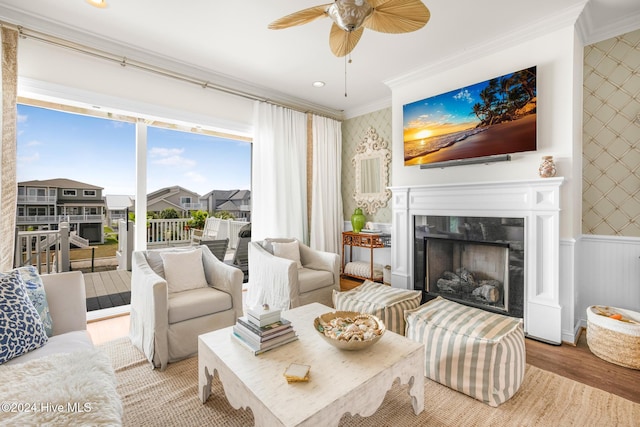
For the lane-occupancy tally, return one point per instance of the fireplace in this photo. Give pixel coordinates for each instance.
(522, 216)
(477, 261)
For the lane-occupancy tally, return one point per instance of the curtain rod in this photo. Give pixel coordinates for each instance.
(125, 62)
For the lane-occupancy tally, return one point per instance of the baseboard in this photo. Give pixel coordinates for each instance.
(107, 313)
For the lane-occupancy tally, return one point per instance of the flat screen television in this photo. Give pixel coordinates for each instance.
(490, 118)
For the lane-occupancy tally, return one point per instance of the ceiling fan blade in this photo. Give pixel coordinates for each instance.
(398, 16)
(342, 42)
(300, 17)
(376, 3)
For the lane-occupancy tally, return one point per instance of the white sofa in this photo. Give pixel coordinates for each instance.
(67, 373)
(66, 297)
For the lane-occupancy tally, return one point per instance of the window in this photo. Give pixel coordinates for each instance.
(198, 161)
(40, 211)
(35, 191)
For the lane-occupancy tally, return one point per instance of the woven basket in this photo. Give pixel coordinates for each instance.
(613, 340)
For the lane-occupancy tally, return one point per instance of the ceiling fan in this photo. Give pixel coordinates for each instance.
(351, 17)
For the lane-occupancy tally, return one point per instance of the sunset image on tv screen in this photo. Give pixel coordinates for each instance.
(497, 116)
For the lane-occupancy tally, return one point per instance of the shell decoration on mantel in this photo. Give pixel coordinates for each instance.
(371, 165)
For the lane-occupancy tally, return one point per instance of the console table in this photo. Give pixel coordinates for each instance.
(363, 240)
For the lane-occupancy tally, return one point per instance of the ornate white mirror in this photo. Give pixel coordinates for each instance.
(371, 164)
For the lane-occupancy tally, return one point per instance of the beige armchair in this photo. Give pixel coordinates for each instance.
(283, 283)
(166, 318)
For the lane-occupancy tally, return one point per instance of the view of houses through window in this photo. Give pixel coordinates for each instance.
(80, 170)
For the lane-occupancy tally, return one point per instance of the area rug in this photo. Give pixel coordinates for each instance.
(151, 398)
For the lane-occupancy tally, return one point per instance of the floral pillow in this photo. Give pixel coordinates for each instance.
(22, 329)
(35, 290)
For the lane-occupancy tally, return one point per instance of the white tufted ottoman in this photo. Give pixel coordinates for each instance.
(473, 351)
(385, 302)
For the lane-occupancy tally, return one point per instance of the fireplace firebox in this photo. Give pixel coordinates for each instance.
(470, 272)
(475, 261)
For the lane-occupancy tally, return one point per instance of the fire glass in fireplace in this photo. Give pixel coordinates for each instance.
(471, 260)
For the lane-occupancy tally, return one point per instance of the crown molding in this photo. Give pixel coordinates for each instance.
(378, 105)
(567, 17)
(590, 33)
(71, 34)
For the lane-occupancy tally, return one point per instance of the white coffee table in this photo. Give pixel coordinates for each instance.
(341, 382)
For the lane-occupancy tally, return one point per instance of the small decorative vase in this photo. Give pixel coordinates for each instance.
(547, 168)
(358, 220)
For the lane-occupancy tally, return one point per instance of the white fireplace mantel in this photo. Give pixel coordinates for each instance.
(537, 201)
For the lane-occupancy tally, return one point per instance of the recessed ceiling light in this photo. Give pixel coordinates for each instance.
(98, 3)
(318, 84)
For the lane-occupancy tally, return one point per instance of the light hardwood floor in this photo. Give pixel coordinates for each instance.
(102, 331)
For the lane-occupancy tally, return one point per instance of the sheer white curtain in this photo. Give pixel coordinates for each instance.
(8, 189)
(326, 198)
(279, 173)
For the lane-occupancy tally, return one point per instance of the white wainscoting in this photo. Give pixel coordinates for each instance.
(608, 273)
(570, 324)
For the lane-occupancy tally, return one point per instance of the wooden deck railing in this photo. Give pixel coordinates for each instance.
(47, 250)
(167, 232)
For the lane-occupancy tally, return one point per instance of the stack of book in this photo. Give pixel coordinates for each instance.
(262, 329)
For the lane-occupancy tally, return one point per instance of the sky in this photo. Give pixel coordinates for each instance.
(442, 114)
(101, 152)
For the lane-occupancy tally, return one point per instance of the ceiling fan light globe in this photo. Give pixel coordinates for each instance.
(349, 14)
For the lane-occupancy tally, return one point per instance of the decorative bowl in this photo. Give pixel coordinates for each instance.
(349, 330)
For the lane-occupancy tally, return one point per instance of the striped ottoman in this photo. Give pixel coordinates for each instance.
(384, 302)
(473, 351)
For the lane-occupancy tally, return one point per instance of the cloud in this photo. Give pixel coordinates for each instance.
(195, 177)
(22, 118)
(33, 143)
(165, 152)
(464, 95)
(170, 157)
(29, 159)
(177, 161)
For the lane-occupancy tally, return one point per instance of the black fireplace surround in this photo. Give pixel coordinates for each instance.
(476, 261)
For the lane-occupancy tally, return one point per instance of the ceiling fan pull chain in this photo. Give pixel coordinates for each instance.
(345, 73)
(345, 76)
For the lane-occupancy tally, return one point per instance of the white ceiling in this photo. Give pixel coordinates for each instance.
(228, 42)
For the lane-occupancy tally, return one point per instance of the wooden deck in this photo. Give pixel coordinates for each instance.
(107, 283)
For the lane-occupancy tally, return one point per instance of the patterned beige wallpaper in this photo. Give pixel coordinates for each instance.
(354, 131)
(611, 137)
